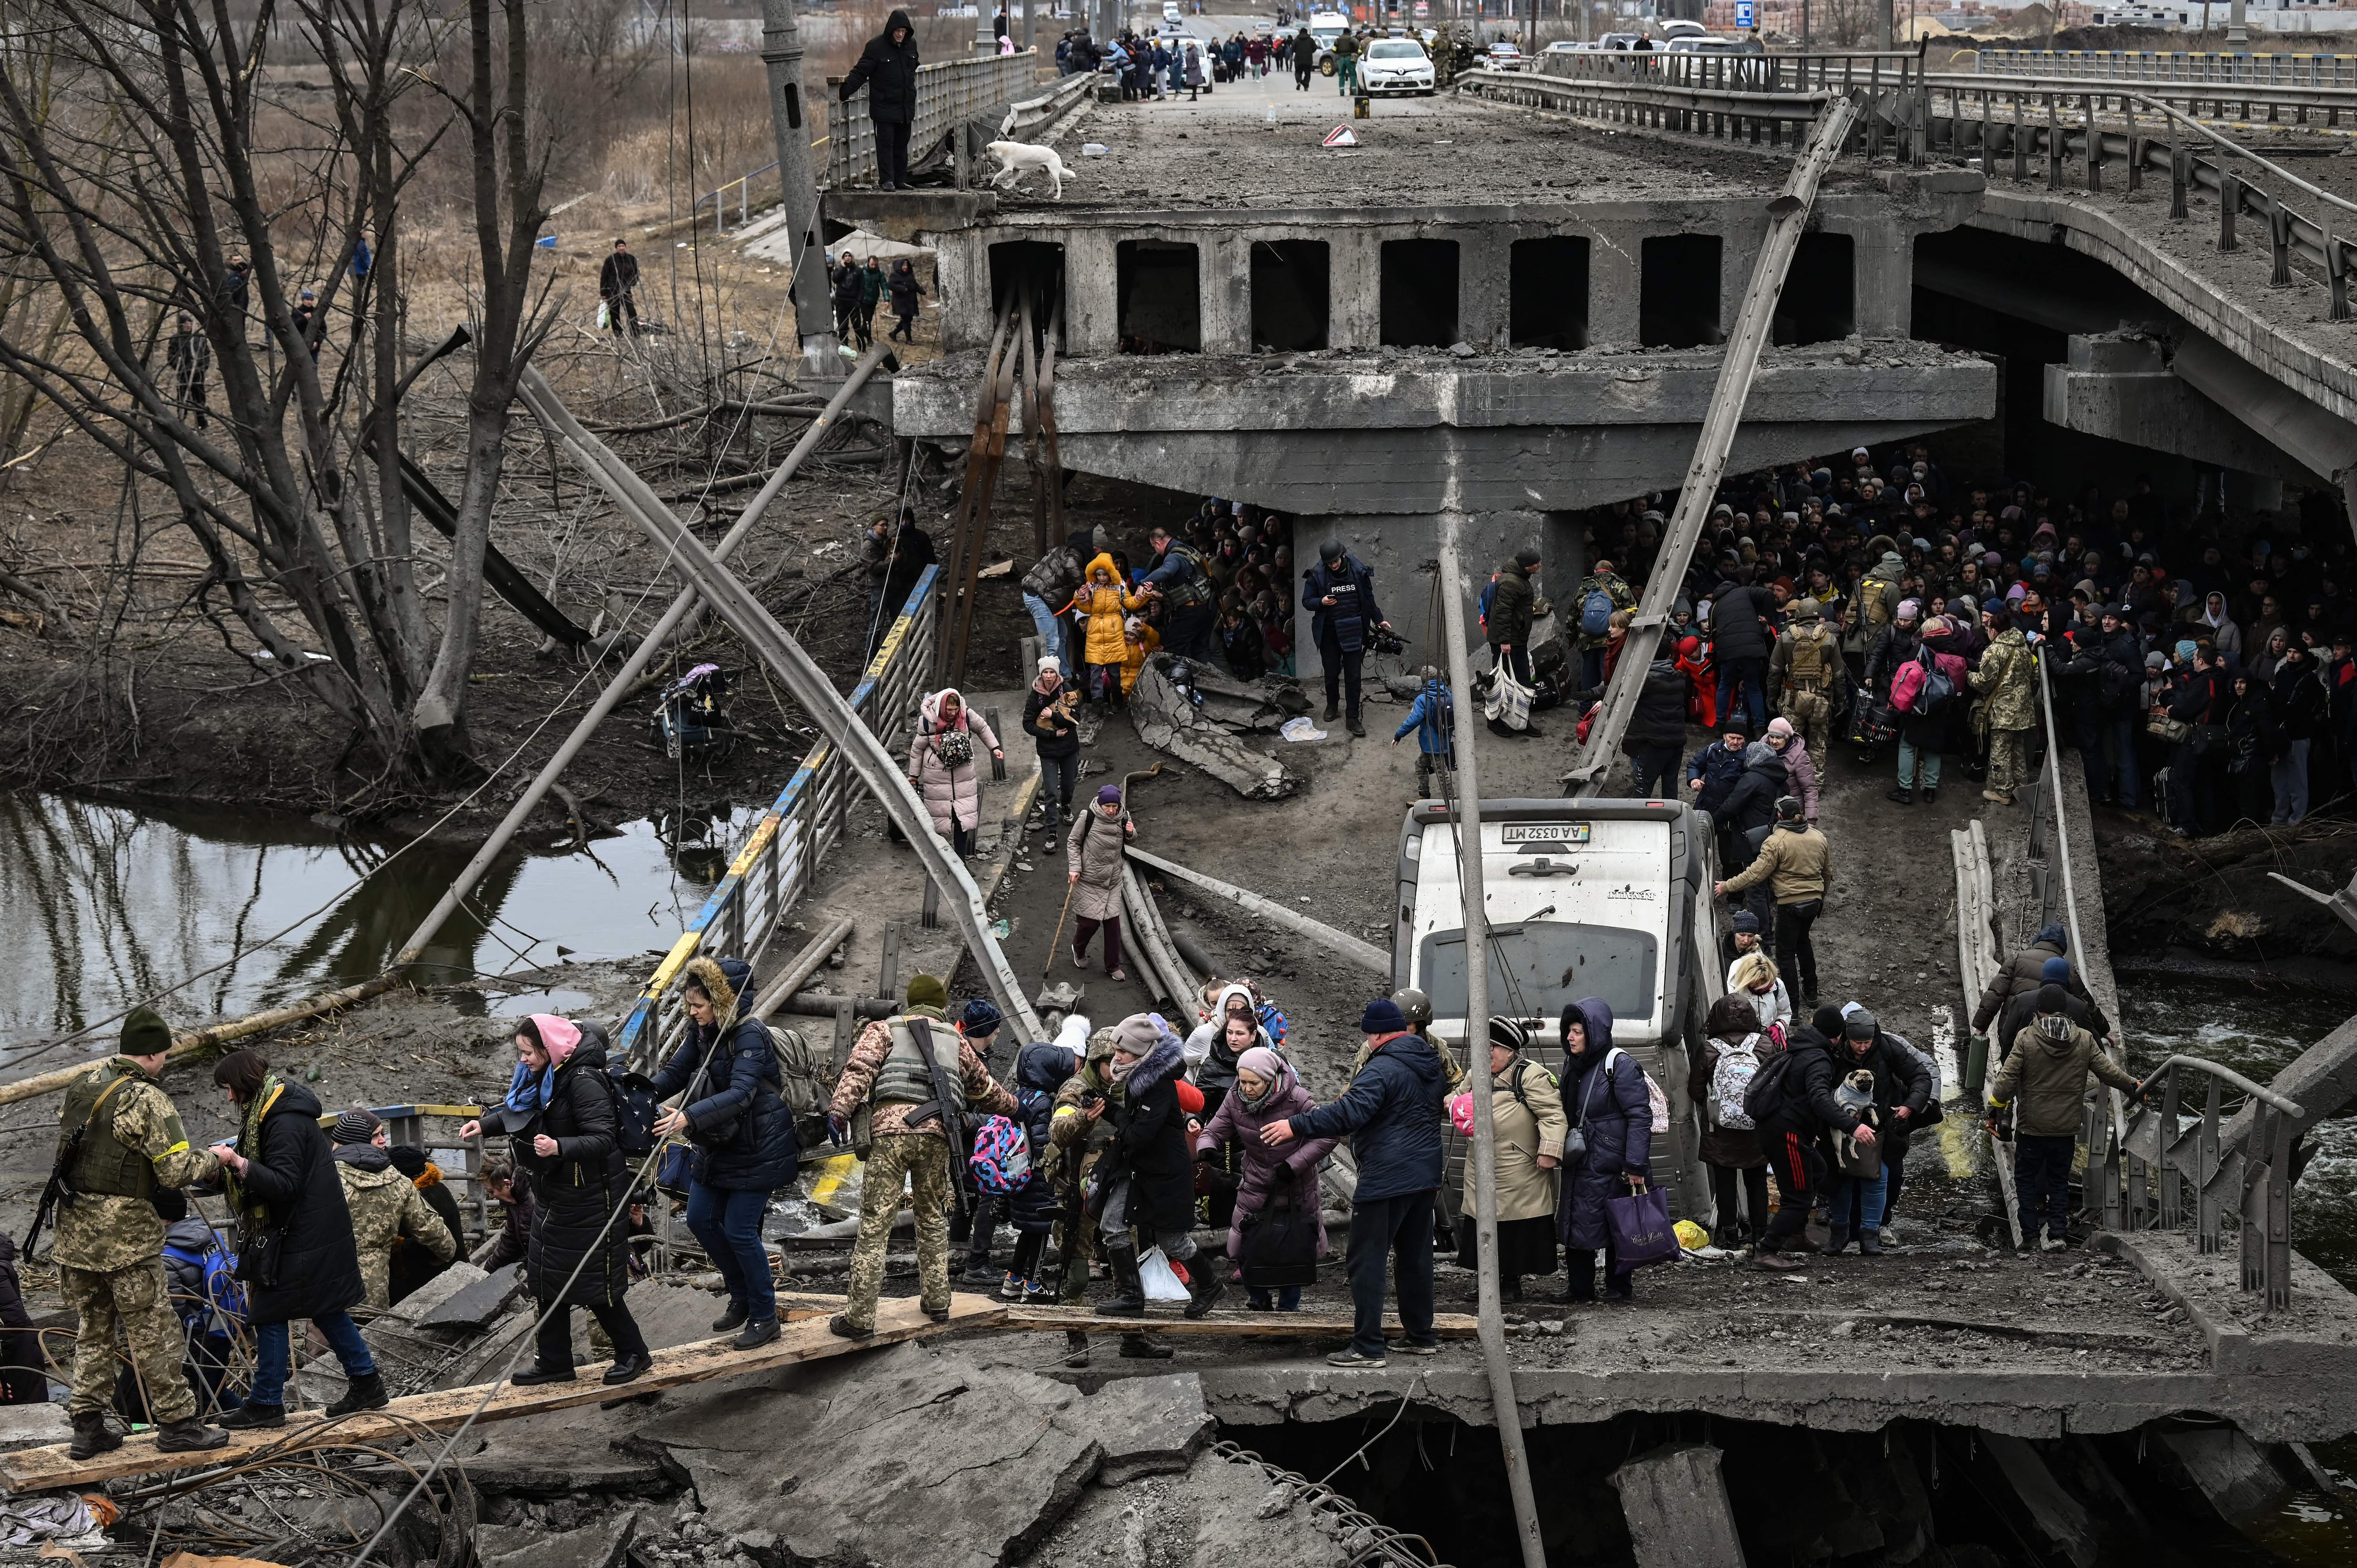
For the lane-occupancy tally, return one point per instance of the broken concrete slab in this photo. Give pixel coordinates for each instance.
(568, 1451)
(2235, 1474)
(1147, 1426)
(1675, 1502)
(33, 1426)
(478, 1304)
(2061, 1517)
(982, 1462)
(419, 1304)
(1168, 722)
(605, 1544)
(1217, 1513)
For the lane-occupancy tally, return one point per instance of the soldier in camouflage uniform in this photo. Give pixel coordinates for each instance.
(109, 1240)
(886, 1075)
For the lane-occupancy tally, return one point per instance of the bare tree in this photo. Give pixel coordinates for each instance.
(162, 175)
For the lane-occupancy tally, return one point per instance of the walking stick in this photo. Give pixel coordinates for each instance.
(1072, 885)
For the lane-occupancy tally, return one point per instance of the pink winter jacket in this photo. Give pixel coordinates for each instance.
(1298, 1160)
(950, 793)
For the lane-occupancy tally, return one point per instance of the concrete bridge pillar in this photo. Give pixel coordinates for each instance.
(1354, 310)
(1400, 550)
(1092, 293)
(1484, 287)
(1885, 299)
(1225, 271)
(1615, 282)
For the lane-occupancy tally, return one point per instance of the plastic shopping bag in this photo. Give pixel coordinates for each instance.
(1154, 1273)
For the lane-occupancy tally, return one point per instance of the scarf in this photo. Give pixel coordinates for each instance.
(529, 1090)
(1118, 1068)
(249, 1140)
(1269, 1067)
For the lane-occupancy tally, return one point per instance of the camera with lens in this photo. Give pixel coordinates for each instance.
(1387, 643)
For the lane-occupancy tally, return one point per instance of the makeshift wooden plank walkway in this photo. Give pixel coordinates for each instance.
(1232, 1325)
(445, 1409)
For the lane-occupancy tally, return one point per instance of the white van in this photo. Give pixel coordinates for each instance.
(1586, 897)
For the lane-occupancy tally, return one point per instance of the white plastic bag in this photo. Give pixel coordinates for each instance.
(1509, 701)
(1154, 1274)
(1300, 728)
(604, 319)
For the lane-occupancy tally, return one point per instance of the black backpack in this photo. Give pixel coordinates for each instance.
(635, 1109)
(1765, 1096)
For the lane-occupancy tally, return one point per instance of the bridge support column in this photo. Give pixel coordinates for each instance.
(1884, 257)
(1615, 281)
(1092, 293)
(1484, 288)
(1354, 305)
(1225, 270)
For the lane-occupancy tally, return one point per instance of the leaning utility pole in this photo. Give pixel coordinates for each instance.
(782, 51)
(1491, 1312)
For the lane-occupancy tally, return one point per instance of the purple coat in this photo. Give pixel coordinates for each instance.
(1266, 1168)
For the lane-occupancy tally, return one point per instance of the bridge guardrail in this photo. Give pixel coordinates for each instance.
(2173, 66)
(947, 94)
(781, 859)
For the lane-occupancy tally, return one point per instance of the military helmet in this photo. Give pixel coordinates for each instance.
(1414, 1005)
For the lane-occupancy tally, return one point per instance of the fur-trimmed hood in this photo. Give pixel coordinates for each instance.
(723, 980)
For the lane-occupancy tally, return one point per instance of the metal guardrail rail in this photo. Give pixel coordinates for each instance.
(2160, 1150)
(781, 859)
(2172, 66)
(947, 94)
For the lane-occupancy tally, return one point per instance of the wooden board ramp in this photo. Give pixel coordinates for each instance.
(1234, 1325)
(445, 1410)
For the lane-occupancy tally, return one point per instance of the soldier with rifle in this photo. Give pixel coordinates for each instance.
(122, 1157)
(903, 1103)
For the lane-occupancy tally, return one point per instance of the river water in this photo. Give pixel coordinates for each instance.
(106, 904)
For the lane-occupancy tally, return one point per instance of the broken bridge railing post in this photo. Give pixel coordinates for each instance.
(809, 685)
(1788, 215)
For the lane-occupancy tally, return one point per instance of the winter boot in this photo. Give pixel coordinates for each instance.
(1931, 794)
(1076, 1347)
(252, 1417)
(731, 1320)
(1203, 1287)
(1354, 726)
(1138, 1347)
(756, 1333)
(1333, 712)
(1869, 1243)
(1903, 795)
(1837, 1240)
(1130, 1299)
(540, 1374)
(363, 1393)
(1619, 1287)
(92, 1436)
(630, 1368)
(189, 1435)
(1579, 1275)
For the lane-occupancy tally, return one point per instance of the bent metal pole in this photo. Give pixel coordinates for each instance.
(633, 668)
(809, 686)
(1493, 1323)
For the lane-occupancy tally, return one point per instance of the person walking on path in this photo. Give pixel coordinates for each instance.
(1730, 1052)
(725, 1072)
(1094, 856)
(1049, 586)
(1392, 1115)
(1599, 594)
(386, 1207)
(1104, 603)
(1266, 1090)
(1800, 764)
(888, 68)
(1796, 863)
(297, 1251)
(1051, 718)
(1304, 60)
(1513, 603)
(1527, 1129)
(1605, 1098)
(1805, 674)
(850, 287)
(871, 294)
(946, 765)
(1177, 577)
(562, 1123)
(1144, 1185)
(1792, 1102)
(1899, 1096)
(1340, 594)
(1740, 616)
(2021, 976)
(1433, 717)
(125, 1142)
(890, 1076)
(2006, 683)
(1346, 64)
(187, 356)
(617, 282)
(2043, 1084)
(904, 289)
(1656, 738)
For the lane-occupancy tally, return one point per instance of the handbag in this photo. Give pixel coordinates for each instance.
(1640, 1228)
(955, 748)
(2167, 728)
(1280, 1246)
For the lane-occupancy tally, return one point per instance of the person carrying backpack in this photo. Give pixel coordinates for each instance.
(1805, 675)
(726, 1074)
(1434, 719)
(1922, 699)
(1599, 594)
(1721, 1068)
(562, 1119)
(1040, 1072)
(1791, 1103)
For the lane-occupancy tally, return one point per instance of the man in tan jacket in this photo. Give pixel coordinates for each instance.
(1796, 863)
(2044, 1083)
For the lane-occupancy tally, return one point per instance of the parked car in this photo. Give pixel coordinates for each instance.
(1503, 55)
(1396, 65)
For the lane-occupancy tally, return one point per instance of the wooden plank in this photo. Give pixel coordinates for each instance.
(1255, 1325)
(445, 1410)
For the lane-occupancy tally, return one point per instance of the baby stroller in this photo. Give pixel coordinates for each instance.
(690, 721)
(1873, 726)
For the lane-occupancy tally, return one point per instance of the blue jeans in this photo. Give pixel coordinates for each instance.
(2120, 729)
(1394, 1232)
(1051, 632)
(273, 1352)
(1288, 1297)
(729, 1224)
(1752, 675)
(2041, 1182)
(1858, 1202)
(1907, 755)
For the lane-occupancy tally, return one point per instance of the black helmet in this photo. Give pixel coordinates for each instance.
(1330, 550)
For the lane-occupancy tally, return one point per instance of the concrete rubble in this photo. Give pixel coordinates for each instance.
(1168, 722)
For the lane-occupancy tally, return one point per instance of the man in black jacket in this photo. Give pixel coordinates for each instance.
(888, 68)
(1657, 731)
(1340, 594)
(617, 282)
(1508, 623)
(2109, 669)
(1793, 1119)
(2198, 702)
(1739, 619)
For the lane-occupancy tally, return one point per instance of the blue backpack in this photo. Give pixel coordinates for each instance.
(223, 1294)
(1489, 592)
(1001, 1160)
(1596, 613)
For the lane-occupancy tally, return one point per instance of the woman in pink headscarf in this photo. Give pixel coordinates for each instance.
(1268, 1090)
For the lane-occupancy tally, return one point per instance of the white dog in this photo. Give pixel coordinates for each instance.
(1017, 158)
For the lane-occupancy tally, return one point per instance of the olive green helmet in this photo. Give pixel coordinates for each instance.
(1414, 1006)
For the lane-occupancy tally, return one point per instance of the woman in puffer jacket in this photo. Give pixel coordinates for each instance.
(1105, 648)
(743, 1133)
(1266, 1090)
(1609, 1105)
(945, 763)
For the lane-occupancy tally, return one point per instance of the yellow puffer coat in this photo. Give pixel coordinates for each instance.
(1104, 604)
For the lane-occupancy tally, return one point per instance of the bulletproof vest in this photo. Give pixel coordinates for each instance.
(1869, 594)
(106, 1166)
(1195, 587)
(903, 1078)
(1809, 656)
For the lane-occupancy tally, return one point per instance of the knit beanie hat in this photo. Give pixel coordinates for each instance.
(145, 1033)
(355, 1126)
(1909, 610)
(1859, 1025)
(1108, 794)
(1526, 557)
(1745, 920)
(924, 991)
(1382, 1016)
(2057, 970)
(2053, 998)
(981, 1018)
(1781, 726)
(1136, 1034)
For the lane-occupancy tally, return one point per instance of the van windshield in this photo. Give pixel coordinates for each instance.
(1536, 969)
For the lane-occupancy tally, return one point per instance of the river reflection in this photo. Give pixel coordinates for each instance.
(107, 904)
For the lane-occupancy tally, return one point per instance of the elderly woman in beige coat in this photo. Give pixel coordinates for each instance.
(1094, 855)
(1527, 1117)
